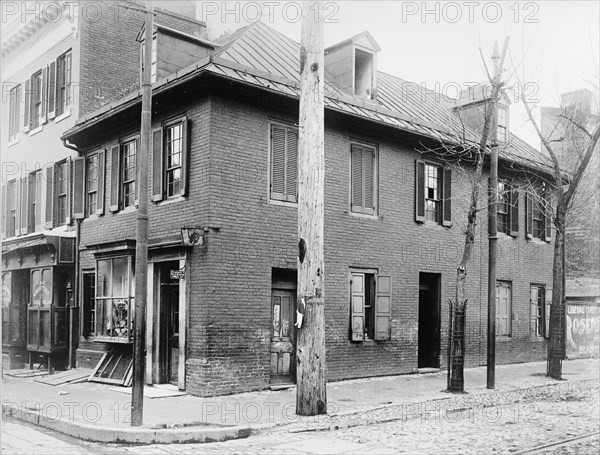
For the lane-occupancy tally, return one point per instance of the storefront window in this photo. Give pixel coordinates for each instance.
(114, 319)
(41, 287)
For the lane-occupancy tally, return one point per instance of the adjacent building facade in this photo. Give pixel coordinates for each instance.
(60, 62)
(223, 224)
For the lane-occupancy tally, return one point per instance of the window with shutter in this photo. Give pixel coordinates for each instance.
(538, 214)
(129, 172)
(383, 308)
(503, 309)
(370, 306)
(538, 310)
(61, 191)
(24, 205)
(284, 163)
(14, 120)
(48, 219)
(12, 208)
(115, 181)
(363, 179)
(419, 191)
(52, 90)
(63, 83)
(35, 115)
(357, 302)
(433, 193)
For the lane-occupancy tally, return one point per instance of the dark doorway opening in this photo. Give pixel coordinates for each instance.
(429, 320)
(283, 335)
(168, 338)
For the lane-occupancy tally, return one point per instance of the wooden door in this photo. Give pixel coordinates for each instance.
(282, 336)
(503, 309)
(169, 325)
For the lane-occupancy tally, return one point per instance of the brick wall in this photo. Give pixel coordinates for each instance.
(229, 325)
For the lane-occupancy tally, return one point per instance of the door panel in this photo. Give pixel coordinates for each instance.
(168, 311)
(282, 336)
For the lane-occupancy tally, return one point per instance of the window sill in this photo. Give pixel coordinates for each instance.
(364, 216)
(282, 203)
(36, 130)
(503, 339)
(63, 116)
(171, 200)
(14, 141)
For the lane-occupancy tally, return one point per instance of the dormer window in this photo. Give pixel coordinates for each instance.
(502, 135)
(153, 68)
(363, 73)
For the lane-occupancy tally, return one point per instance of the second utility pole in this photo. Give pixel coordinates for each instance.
(141, 246)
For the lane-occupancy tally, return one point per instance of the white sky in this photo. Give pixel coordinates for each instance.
(554, 45)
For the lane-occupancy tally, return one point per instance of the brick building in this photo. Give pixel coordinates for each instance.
(61, 61)
(223, 224)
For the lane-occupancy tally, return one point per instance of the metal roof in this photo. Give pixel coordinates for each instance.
(260, 56)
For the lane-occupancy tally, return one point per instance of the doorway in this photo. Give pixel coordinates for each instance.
(283, 335)
(429, 320)
(168, 314)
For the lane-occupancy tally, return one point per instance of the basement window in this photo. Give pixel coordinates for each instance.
(363, 73)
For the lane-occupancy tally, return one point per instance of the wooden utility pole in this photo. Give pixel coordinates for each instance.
(141, 248)
(493, 218)
(311, 395)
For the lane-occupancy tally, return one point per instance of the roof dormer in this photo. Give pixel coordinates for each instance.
(352, 65)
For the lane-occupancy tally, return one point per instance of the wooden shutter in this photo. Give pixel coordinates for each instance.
(357, 178)
(114, 178)
(38, 202)
(185, 156)
(446, 197)
(138, 144)
(52, 90)
(30, 197)
(357, 307)
(78, 188)
(157, 165)
(368, 156)
(291, 171)
(101, 173)
(24, 205)
(514, 212)
(529, 215)
(547, 217)
(44, 96)
(383, 308)
(55, 220)
(419, 191)
(70, 181)
(4, 206)
(27, 105)
(533, 308)
(49, 197)
(277, 163)
(548, 302)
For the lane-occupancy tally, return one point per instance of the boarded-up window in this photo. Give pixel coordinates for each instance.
(503, 309)
(363, 179)
(284, 163)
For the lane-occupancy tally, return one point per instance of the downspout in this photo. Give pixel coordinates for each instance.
(73, 328)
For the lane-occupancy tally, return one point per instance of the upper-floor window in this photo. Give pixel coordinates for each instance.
(284, 164)
(363, 179)
(502, 124)
(63, 82)
(11, 208)
(36, 100)
(91, 173)
(14, 119)
(153, 67)
(62, 196)
(433, 193)
(34, 215)
(129, 171)
(508, 209)
(538, 214)
(174, 157)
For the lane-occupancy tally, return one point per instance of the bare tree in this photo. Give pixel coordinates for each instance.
(579, 140)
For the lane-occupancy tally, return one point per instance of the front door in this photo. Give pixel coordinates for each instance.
(282, 336)
(429, 320)
(169, 324)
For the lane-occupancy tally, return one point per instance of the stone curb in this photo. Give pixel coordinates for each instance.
(130, 435)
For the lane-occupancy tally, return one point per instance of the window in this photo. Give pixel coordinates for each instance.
(62, 187)
(174, 155)
(508, 209)
(11, 208)
(41, 287)
(63, 83)
(363, 179)
(89, 305)
(34, 220)
(14, 113)
(539, 212)
(129, 173)
(503, 309)
(370, 306)
(363, 73)
(284, 163)
(114, 291)
(36, 100)
(540, 310)
(502, 120)
(91, 173)
(433, 198)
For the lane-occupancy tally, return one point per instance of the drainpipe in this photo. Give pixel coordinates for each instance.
(74, 328)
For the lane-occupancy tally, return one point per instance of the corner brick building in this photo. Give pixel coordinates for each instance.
(223, 225)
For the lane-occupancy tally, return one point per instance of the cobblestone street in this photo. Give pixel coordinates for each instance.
(518, 427)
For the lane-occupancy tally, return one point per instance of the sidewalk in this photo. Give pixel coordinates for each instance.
(97, 412)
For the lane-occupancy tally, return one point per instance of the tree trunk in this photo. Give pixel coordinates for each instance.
(311, 396)
(557, 324)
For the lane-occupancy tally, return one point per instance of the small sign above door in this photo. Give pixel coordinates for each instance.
(178, 274)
